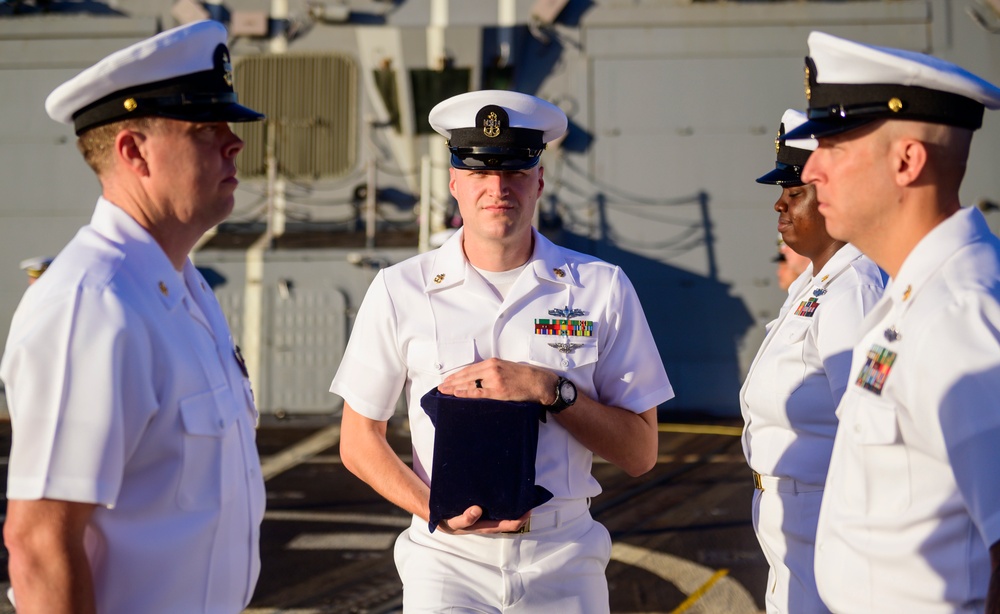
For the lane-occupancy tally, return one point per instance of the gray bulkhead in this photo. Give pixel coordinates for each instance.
(673, 109)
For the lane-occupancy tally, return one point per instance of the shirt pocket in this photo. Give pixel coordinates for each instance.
(885, 463)
(209, 437)
(794, 330)
(439, 358)
(790, 366)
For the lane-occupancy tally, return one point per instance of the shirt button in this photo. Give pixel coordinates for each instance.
(857, 428)
(565, 362)
(438, 366)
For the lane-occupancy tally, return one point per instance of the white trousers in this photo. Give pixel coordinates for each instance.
(785, 523)
(557, 567)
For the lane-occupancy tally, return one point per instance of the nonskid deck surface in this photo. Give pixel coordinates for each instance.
(682, 534)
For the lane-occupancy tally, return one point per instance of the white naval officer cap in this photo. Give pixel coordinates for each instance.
(849, 84)
(34, 267)
(791, 154)
(497, 129)
(184, 73)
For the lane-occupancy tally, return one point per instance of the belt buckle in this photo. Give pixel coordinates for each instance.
(756, 481)
(525, 528)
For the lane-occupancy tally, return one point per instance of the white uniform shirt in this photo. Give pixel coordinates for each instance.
(432, 314)
(912, 501)
(790, 395)
(122, 396)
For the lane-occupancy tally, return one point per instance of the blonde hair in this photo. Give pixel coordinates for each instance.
(97, 144)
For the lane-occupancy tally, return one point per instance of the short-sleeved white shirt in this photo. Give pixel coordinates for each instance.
(433, 314)
(123, 394)
(912, 500)
(791, 391)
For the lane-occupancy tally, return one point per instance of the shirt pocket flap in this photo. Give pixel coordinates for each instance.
(560, 353)
(441, 356)
(877, 423)
(204, 414)
(794, 330)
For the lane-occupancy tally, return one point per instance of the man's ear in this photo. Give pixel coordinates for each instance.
(909, 161)
(130, 149)
(451, 181)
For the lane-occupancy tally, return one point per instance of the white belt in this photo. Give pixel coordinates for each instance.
(550, 519)
(770, 482)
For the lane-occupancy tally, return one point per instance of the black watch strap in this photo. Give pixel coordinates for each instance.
(565, 395)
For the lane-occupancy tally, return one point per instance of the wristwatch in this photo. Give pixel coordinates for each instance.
(565, 396)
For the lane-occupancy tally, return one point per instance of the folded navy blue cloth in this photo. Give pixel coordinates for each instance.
(484, 454)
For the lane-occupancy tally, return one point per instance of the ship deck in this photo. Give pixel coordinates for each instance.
(682, 534)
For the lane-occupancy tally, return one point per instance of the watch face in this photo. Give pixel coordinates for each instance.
(567, 391)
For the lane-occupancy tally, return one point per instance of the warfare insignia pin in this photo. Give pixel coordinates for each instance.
(566, 347)
(567, 312)
(491, 125)
(566, 327)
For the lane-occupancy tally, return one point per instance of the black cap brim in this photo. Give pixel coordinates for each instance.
(235, 113)
(493, 162)
(813, 129)
(783, 175)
